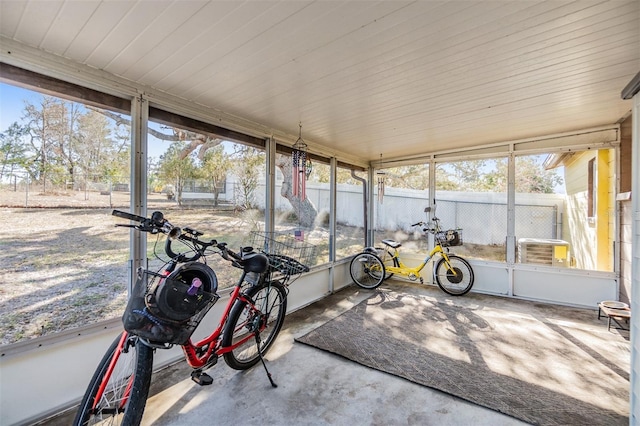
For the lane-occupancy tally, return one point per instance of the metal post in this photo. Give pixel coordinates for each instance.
(26, 191)
(138, 201)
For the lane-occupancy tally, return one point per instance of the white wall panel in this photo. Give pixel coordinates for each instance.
(491, 278)
(557, 286)
(57, 373)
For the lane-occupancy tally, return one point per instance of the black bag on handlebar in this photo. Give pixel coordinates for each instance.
(164, 310)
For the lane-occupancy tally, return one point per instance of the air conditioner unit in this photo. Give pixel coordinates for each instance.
(543, 252)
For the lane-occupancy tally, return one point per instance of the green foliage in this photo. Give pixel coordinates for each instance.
(411, 177)
(175, 169)
(59, 142)
(216, 164)
(248, 164)
(13, 150)
(531, 176)
(491, 176)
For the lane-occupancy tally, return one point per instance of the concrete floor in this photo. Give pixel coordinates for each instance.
(314, 387)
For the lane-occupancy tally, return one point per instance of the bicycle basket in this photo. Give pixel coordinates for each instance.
(449, 238)
(287, 252)
(162, 310)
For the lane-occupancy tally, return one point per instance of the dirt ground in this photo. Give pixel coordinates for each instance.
(63, 262)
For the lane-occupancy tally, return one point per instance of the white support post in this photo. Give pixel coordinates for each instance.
(270, 198)
(333, 189)
(511, 217)
(138, 184)
(634, 417)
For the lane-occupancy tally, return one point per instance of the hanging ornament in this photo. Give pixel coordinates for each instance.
(295, 162)
(308, 168)
(299, 165)
(381, 175)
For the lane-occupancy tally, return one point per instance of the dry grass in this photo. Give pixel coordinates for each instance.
(64, 264)
(67, 266)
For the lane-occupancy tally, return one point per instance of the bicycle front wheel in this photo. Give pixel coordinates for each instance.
(454, 277)
(367, 270)
(117, 393)
(264, 316)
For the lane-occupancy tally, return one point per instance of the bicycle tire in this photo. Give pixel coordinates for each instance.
(132, 370)
(270, 299)
(387, 260)
(454, 284)
(367, 270)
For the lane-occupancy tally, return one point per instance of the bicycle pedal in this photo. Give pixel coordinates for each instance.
(203, 379)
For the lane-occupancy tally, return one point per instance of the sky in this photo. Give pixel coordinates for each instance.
(12, 105)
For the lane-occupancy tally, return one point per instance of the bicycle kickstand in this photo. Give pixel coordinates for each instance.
(264, 364)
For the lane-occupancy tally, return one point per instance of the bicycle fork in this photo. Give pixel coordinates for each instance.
(447, 263)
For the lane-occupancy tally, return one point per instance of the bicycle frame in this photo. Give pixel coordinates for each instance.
(124, 337)
(121, 382)
(212, 342)
(190, 349)
(405, 270)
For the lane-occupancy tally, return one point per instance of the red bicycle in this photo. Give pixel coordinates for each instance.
(165, 307)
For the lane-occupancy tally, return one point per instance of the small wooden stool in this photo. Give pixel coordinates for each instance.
(616, 314)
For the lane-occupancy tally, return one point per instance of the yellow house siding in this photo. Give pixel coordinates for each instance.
(592, 238)
(603, 236)
(579, 231)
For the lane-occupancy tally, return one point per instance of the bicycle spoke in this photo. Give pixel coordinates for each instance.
(454, 276)
(265, 316)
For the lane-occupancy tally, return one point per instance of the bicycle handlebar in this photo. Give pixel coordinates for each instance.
(157, 223)
(432, 226)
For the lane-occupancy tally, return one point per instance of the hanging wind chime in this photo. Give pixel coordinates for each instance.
(301, 167)
(381, 176)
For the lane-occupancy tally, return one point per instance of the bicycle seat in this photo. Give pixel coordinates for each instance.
(392, 243)
(254, 262)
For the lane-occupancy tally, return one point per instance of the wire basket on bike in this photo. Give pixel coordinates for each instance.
(287, 254)
(449, 238)
(160, 308)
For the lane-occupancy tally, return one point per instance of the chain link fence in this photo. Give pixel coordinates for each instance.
(482, 216)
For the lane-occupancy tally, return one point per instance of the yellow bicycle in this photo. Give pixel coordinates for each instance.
(452, 273)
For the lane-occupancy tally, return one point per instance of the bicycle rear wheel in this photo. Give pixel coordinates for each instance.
(387, 260)
(367, 270)
(455, 278)
(118, 390)
(265, 314)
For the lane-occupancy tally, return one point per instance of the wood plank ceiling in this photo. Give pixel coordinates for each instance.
(365, 78)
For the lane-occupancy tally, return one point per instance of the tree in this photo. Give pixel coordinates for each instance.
(412, 177)
(304, 208)
(103, 150)
(215, 166)
(44, 124)
(175, 169)
(531, 176)
(248, 163)
(13, 152)
(491, 175)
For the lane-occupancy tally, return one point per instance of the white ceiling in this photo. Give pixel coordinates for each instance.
(365, 78)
